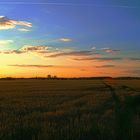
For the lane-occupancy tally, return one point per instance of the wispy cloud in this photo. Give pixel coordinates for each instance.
(105, 66)
(133, 72)
(23, 30)
(82, 55)
(35, 66)
(30, 48)
(93, 48)
(41, 66)
(136, 71)
(106, 50)
(98, 59)
(133, 59)
(50, 52)
(65, 39)
(73, 53)
(5, 42)
(67, 4)
(109, 50)
(12, 52)
(6, 23)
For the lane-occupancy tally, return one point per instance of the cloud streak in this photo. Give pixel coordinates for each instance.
(34, 66)
(30, 48)
(73, 53)
(136, 71)
(67, 4)
(65, 40)
(83, 55)
(105, 66)
(40, 66)
(134, 59)
(98, 59)
(23, 30)
(6, 23)
(5, 42)
(109, 50)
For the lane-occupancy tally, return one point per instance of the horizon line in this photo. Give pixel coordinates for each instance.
(55, 77)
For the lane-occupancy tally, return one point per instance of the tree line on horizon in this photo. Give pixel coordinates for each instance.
(54, 77)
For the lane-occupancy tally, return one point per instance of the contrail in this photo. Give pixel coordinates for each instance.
(65, 4)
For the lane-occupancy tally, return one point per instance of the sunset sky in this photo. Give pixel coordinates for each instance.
(69, 38)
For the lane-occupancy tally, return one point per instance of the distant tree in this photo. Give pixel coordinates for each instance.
(49, 76)
(54, 76)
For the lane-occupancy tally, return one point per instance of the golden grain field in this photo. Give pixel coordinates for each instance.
(69, 109)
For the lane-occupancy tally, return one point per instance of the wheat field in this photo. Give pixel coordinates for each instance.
(69, 109)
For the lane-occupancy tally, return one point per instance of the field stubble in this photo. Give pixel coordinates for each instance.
(69, 109)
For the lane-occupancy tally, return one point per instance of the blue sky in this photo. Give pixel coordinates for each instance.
(112, 24)
(99, 24)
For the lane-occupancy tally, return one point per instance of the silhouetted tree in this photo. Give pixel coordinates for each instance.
(49, 76)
